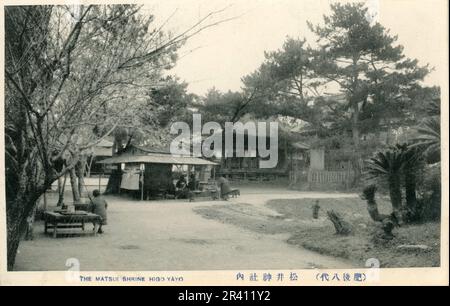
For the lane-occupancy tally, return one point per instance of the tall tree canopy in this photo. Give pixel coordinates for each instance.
(363, 60)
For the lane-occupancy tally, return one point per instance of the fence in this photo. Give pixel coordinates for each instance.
(337, 179)
(324, 176)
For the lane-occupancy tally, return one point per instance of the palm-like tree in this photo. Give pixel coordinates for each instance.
(412, 164)
(389, 165)
(368, 194)
(429, 139)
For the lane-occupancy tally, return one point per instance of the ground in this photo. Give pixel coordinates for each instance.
(364, 242)
(262, 229)
(294, 216)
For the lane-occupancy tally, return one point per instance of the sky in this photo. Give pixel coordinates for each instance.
(219, 56)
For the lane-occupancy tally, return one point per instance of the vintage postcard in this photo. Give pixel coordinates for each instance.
(225, 142)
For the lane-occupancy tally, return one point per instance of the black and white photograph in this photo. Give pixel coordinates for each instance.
(255, 142)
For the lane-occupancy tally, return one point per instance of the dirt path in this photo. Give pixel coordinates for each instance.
(260, 197)
(169, 235)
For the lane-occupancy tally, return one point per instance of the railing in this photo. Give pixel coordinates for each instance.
(324, 176)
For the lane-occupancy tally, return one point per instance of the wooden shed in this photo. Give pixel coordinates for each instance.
(151, 173)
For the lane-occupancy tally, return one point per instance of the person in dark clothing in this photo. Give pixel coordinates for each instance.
(181, 188)
(192, 185)
(170, 188)
(181, 183)
(99, 206)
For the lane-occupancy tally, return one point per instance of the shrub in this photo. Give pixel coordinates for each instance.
(429, 199)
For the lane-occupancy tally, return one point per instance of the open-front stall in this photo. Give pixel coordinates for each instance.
(151, 175)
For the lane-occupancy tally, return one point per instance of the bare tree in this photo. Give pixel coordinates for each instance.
(73, 75)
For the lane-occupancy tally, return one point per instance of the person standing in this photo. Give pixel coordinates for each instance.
(181, 188)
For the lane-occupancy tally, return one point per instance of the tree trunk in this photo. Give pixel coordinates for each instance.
(368, 194)
(19, 205)
(89, 166)
(388, 132)
(44, 198)
(18, 210)
(354, 100)
(410, 195)
(395, 194)
(61, 189)
(80, 170)
(15, 231)
(13, 237)
(357, 166)
(74, 185)
(356, 137)
(29, 235)
(355, 126)
(341, 226)
(372, 206)
(80, 185)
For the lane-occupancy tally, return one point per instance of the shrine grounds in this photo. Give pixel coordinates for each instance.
(264, 228)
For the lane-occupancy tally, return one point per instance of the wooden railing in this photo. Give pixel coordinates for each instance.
(324, 176)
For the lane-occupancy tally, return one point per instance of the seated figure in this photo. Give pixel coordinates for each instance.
(224, 186)
(181, 190)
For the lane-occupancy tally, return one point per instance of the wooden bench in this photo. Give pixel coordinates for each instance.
(61, 220)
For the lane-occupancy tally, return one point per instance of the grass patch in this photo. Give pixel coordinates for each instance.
(294, 217)
(360, 245)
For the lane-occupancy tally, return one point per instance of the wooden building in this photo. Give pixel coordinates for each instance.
(147, 173)
(291, 155)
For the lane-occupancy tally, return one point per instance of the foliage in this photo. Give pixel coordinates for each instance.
(421, 182)
(285, 84)
(374, 87)
(429, 139)
(363, 61)
(388, 165)
(170, 100)
(429, 190)
(368, 193)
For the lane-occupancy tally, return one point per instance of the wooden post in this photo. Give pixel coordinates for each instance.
(316, 208)
(120, 170)
(142, 184)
